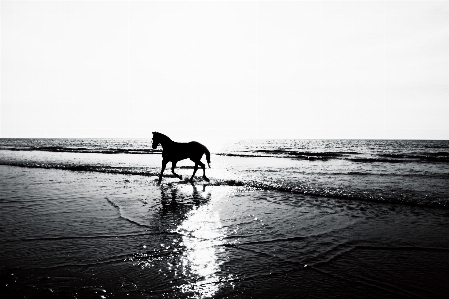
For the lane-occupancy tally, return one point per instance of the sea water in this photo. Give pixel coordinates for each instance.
(412, 172)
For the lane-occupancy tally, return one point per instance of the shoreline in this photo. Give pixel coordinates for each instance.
(109, 235)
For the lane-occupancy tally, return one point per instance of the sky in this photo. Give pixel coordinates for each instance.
(199, 70)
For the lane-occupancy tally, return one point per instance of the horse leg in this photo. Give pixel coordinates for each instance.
(164, 163)
(194, 171)
(173, 165)
(204, 171)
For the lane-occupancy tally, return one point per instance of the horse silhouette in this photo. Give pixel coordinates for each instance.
(176, 151)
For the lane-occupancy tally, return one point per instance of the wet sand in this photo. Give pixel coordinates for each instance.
(97, 235)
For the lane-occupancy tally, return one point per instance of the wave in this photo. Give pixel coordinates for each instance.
(81, 167)
(405, 158)
(85, 150)
(441, 157)
(431, 157)
(307, 155)
(378, 160)
(248, 185)
(305, 189)
(291, 154)
(242, 155)
(299, 153)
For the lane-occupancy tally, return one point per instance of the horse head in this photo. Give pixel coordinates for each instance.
(156, 140)
(159, 138)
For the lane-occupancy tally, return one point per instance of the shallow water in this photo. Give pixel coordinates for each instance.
(85, 234)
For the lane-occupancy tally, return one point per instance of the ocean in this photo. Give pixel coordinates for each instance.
(85, 218)
(412, 172)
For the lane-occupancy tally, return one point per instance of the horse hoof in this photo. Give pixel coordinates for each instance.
(206, 179)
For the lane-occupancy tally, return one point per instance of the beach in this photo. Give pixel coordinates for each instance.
(224, 149)
(87, 234)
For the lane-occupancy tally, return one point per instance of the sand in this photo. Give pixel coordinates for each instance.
(97, 235)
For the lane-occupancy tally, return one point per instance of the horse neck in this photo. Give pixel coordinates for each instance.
(165, 141)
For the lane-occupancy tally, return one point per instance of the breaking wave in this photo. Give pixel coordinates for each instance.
(350, 156)
(86, 150)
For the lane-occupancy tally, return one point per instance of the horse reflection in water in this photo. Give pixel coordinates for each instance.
(196, 237)
(179, 202)
(176, 151)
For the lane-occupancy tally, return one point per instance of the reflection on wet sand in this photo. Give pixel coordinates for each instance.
(201, 232)
(195, 255)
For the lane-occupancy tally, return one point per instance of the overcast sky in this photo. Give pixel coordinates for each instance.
(271, 69)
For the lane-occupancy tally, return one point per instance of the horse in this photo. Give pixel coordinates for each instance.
(176, 151)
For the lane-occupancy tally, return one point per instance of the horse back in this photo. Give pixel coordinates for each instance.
(180, 151)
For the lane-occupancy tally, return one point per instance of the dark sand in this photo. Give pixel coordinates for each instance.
(95, 235)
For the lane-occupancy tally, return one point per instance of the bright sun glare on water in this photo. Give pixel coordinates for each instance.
(201, 231)
(196, 258)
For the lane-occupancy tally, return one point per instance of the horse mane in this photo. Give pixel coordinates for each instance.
(162, 135)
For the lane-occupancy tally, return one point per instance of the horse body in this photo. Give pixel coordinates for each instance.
(176, 151)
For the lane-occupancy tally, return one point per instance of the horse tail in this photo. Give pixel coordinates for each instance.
(207, 156)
